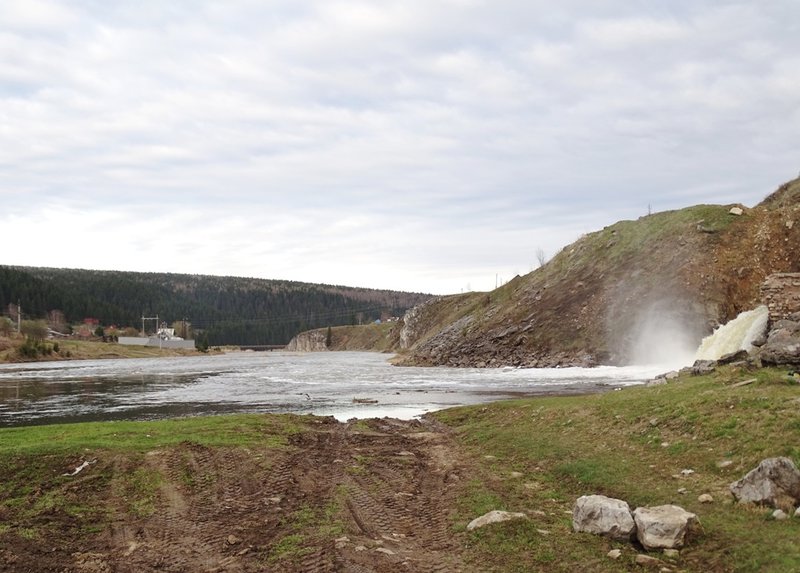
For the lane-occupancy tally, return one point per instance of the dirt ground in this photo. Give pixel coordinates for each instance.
(369, 496)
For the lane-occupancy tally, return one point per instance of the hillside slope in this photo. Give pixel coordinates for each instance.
(636, 291)
(231, 310)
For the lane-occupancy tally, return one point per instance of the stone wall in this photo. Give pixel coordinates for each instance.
(781, 293)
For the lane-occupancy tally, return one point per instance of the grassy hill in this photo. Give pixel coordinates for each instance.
(644, 290)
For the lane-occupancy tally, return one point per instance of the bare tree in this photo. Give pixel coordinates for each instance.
(541, 256)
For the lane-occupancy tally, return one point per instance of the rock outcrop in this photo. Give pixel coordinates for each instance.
(309, 341)
(781, 293)
(775, 483)
(603, 515)
(663, 526)
(783, 343)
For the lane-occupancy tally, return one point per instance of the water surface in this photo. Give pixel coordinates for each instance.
(324, 383)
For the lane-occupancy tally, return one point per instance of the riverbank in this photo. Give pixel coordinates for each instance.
(302, 493)
(69, 349)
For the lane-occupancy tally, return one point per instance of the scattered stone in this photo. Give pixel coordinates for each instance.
(515, 475)
(360, 548)
(384, 550)
(736, 211)
(490, 458)
(603, 515)
(687, 472)
(672, 553)
(683, 490)
(275, 499)
(702, 367)
(789, 225)
(647, 561)
(664, 444)
(724, 464)
(494, 516)
(663, 526)
(407, 454)
(706, 498)
(233, 540)
(542, 532)
(775, 483)
(672, 375)
(656, 382)
(614, 554)
(654, 422)
(779, 515)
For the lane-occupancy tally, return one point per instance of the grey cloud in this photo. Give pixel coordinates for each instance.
(477, 128)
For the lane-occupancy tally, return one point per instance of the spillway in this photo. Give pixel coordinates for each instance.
(738, 334)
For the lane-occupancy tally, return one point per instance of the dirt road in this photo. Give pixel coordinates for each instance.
(362, 497)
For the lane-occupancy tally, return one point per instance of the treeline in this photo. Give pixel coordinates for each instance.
(229, 310)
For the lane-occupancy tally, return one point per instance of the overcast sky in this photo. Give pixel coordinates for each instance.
(425, 145)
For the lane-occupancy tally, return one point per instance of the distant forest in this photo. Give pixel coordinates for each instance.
(228, 310)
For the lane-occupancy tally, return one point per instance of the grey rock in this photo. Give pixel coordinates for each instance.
(603, 515)
(775, 483)
(649, 562)
(738, 356)
(494, 516)
(705, 498)
(783, 344)
(702, 367)
(663, 526)
(614, 554)
(779, 515)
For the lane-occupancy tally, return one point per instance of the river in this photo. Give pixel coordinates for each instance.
(324, 383)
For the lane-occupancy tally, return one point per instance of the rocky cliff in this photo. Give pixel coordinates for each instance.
(309, 341)
(643, 290)
(372, 337)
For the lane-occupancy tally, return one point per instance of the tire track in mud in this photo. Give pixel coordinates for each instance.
(366, 497)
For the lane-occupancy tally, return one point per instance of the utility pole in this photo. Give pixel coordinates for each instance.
(19, 316)
(149, 318)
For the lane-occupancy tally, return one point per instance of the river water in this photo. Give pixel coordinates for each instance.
(324, 383)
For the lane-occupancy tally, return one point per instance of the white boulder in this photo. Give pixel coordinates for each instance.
(663, 526)
(603, 515)
(775, 482)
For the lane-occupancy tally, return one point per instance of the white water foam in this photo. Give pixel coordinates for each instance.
(733, 336)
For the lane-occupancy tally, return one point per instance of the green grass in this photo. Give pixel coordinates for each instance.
(141, 490)
(239, 430)
(289, 547)
(630, 445)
